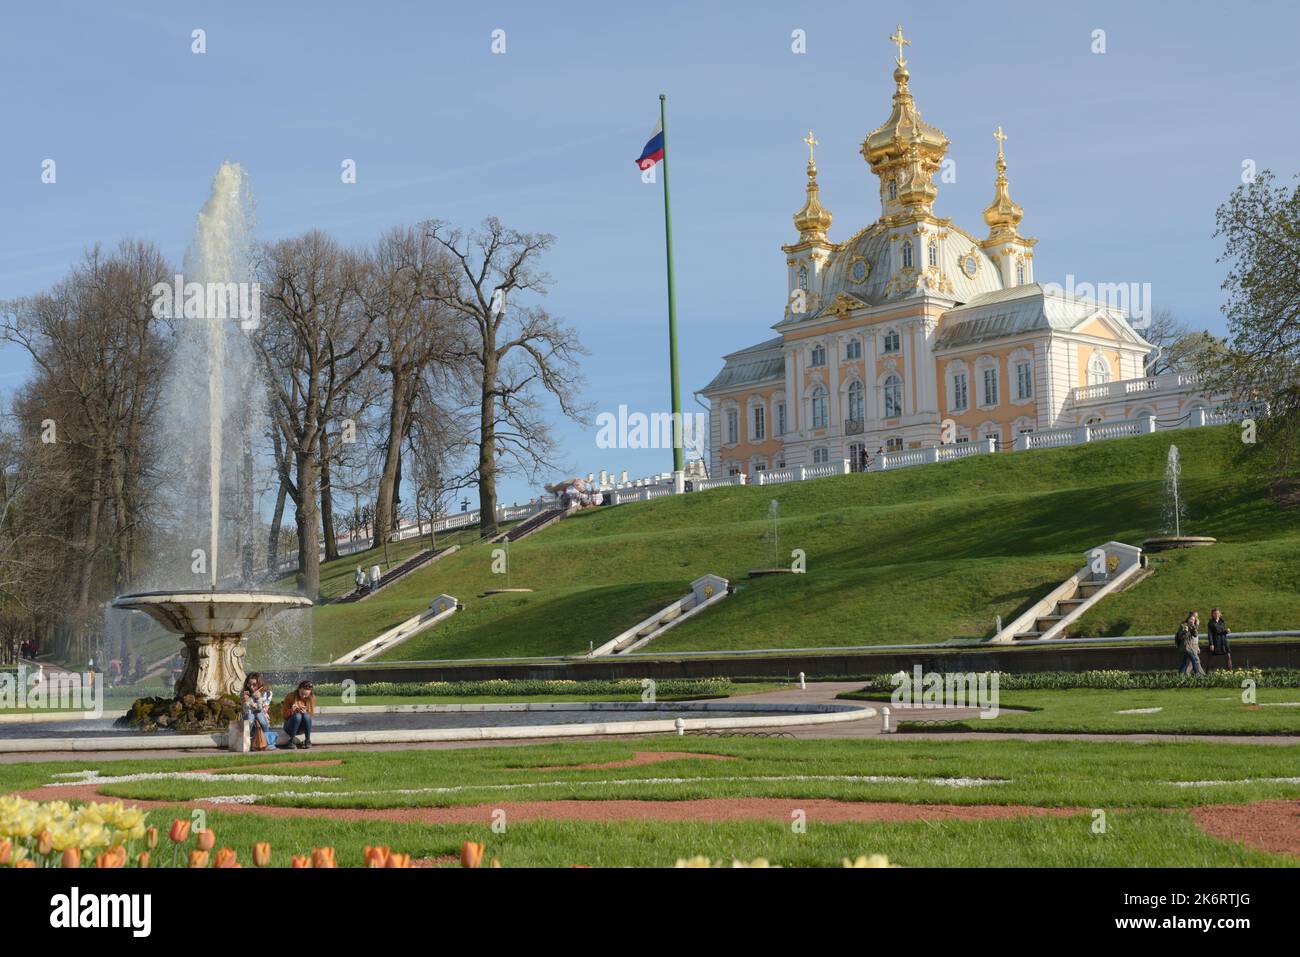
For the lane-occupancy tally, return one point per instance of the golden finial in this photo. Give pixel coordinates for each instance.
(811, 143)
(902, 42)
(1001, 138)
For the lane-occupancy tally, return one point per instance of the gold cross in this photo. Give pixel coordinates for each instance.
(811, 143)
(898, 38)
(1001, 138)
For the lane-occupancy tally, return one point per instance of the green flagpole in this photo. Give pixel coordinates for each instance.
(672, 299)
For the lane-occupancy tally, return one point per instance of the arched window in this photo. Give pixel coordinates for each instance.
(907, 254)
(934, 254)
(855, 402)
(893, 397)
(818, 357)
(803, 277)
(819, 416)
(1098, 370)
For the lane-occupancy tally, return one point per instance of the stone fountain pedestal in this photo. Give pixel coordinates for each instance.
(211, 625)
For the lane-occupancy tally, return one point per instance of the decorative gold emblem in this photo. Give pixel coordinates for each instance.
(859, 270)
(970, 264)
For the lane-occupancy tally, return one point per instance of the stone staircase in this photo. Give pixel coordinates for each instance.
(397, 573)
(705, 592)
(531, 525)
(1109, 568)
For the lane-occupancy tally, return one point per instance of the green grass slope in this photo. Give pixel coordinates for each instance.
(923, 554)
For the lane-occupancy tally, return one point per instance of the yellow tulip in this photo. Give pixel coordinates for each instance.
(151, 838)
(198, 858)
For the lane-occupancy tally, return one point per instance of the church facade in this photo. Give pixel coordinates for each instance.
(914, 332)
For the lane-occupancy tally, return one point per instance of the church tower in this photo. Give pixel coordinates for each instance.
(807, 259)
(1013, 253)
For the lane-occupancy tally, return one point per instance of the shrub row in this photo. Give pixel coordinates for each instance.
(663, 688)
(1130, 680)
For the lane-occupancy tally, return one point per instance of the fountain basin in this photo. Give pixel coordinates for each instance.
(1167, 542)
(212, 625)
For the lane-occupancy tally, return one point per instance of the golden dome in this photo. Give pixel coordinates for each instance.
(905, 151)
(814, 219)
(1003, 215)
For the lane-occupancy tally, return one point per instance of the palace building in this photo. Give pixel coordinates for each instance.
(914, 332)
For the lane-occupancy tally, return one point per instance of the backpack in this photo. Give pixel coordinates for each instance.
(1178, 635)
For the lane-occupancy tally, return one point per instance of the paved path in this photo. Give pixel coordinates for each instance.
(824, 692)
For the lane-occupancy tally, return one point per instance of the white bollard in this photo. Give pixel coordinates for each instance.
(680, 725)
(884, 720)
(803, 685)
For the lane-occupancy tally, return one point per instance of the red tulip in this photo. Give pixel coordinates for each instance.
(225, 858)
(398, 860)
(299, 861)
(375, 856)
(180, 832)
(206, 840)
(322, 857)
(6, 851)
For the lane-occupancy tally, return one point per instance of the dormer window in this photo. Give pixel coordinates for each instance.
(934, 253)
(893, 189)
(803, 278)
(907, 254)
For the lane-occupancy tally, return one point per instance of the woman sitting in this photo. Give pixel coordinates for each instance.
(297, 710)
(256, 702)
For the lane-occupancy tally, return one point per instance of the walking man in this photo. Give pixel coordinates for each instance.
(1188, 639)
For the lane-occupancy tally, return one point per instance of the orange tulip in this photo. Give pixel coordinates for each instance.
(495, 863)
(206, 840)
(375, 856)
(262, 854)
(142, 860)
(299, 860)
(72, 857)
(26, 862)
(6, 851)
(322, 857)
(180, 832)
(151, 838)
(398, 860)
(111, 859)
(44, 842)
(471, 854)
(225, 857)
(198, 858)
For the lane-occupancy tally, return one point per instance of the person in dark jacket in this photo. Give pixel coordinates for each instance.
(1219, 636)
(1188, 640)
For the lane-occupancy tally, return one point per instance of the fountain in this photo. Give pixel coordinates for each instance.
(1175, 511)
(207, 426)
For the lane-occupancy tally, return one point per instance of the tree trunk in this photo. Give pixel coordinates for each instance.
(90, 543)
(392, 456)
(327, 503)
(281, 493)
(308, 523)
(487, 448)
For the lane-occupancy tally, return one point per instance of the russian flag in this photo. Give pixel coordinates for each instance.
(654, 149)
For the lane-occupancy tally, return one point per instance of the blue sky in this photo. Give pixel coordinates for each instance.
(1119, 159)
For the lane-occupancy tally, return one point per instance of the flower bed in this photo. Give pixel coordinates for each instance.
(1122, 680)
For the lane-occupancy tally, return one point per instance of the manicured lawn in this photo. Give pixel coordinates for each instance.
(920, 555)
(1184, 711)
(1147, 823)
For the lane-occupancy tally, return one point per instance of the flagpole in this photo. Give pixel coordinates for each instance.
(678, 472)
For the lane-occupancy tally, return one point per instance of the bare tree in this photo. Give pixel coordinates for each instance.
(512, 350)
(421, 336)
(314, 342)
(1178, 347)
